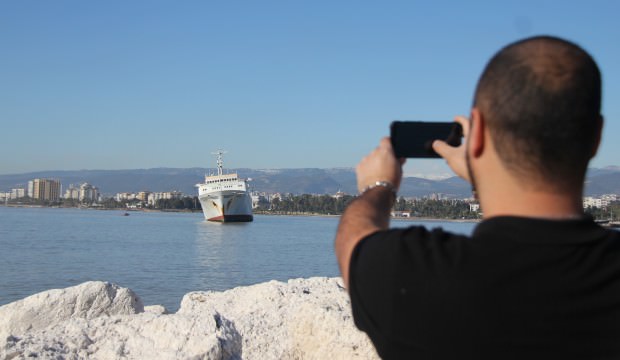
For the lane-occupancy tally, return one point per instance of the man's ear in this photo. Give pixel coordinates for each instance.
(599, 134)
(476, 133)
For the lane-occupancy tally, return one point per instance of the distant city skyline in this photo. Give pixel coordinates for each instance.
(143, 84)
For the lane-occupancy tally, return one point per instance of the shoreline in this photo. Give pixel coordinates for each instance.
(391, 217)
(98, 208)
(260, 213)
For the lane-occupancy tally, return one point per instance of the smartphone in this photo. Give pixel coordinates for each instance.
(414, 139)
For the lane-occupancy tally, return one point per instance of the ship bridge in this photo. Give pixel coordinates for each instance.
(220, 178)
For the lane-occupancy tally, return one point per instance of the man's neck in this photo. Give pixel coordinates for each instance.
(506, 192)
(531, 203)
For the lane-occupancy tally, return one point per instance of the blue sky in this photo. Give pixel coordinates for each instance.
(279, 84)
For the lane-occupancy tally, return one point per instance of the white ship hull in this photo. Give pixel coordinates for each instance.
(225, 197)
(227, 206)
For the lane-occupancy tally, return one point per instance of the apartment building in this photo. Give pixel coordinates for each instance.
(46, 189)
(84, 192)
(155, 196)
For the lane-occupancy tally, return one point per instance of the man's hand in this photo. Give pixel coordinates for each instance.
(380, 165)
(455, 156)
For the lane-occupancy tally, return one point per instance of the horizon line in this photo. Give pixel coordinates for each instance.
(608, 167)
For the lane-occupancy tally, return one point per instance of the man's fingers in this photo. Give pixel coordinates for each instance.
(442, 148)
(386, 143)
(454, 156)
(464, 124)
(379, 165)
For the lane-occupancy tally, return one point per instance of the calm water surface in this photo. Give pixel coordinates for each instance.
(161, 256)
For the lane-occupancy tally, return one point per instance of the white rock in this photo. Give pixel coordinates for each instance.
(156, 309)
(301, 319)
(87, 300)
(141, 336)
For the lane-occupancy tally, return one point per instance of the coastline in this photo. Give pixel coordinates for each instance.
(425, 219)
(259, 213)
(99, 208)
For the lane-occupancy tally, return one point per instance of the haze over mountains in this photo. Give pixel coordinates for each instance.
(296, 181)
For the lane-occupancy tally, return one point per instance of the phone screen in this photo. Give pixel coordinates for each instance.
(414, 139)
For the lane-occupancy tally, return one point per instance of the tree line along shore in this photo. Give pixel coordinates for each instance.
(308, 204)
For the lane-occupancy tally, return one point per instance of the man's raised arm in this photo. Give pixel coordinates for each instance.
(378, 178)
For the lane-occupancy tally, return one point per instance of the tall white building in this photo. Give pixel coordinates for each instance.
(85, 192)
(88, 192)
(72, 192)
(18, 193)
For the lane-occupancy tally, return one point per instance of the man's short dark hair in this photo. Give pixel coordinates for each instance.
(541, 100)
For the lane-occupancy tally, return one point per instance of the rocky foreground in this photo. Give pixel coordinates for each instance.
(301, 319)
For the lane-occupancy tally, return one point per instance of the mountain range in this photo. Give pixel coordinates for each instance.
(296, 181)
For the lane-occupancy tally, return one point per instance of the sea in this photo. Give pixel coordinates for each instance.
(163, 255)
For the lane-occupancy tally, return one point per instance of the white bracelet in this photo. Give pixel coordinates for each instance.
(385, 184)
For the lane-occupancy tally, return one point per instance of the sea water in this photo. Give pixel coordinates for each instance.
(161, 255)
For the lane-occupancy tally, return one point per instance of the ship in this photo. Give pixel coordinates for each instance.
(225, 197)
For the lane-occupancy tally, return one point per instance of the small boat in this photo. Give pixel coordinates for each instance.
(126, 214)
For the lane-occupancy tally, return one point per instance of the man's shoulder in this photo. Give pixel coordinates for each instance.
(415, 233)
(543, 231)
(394, 253)
(409, 238)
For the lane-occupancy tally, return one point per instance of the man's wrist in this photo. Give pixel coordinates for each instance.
(381, 186)
(381, 183)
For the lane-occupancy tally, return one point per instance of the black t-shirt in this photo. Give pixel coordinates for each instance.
(517, 288)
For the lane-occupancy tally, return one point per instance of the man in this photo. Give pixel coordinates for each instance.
(537, 279)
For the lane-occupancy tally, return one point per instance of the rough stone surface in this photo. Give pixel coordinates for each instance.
(87, 300)
(156, 309)
(301, 319)
(141, 336)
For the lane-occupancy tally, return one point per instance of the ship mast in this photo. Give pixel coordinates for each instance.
(220, 162)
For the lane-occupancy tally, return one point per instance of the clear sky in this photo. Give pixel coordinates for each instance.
(279, 84)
